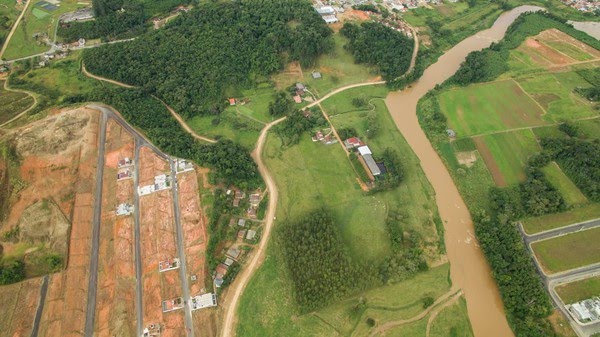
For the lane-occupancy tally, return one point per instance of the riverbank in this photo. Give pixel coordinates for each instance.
(469, 269)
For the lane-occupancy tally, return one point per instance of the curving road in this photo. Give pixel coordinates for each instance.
(236, 289)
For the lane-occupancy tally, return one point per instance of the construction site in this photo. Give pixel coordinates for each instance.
(127, 221)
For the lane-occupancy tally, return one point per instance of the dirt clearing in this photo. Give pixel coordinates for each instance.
(19, 302)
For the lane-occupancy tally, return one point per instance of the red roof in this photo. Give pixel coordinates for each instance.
(232, 101)
(297, 99)
(354, 141)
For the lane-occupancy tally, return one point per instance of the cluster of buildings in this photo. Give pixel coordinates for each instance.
(161, 182)
(325, 136)
(586, 311)
(583, 5)
(253, 201)
(365, 156)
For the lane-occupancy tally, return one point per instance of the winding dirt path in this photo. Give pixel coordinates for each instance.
(177, 116)
(235, 291)
(437, 311)
(24, 112)
(449, 297)
(14, 28)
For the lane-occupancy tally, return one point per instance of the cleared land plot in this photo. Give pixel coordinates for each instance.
(506, 154)
(489, 107)
(568, 251)
(551, 221)
(158, 244)
(19, 303)
(115, 306)
(565, 186)
(555, 92)
(568, 45)
(579, 290)
(37, 23)
(230, 124)
(12, 103)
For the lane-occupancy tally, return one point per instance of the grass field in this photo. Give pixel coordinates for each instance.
(258, 107)
(452, 322)
(489, 107)
(37, 21)
(8, 14)
(555, 91)
(267, 309)
(551, 221)
(568, 251)
(506, 154)
(579, 290)
(565, 186)
(342, 103)
(12, 103)
(230, 124)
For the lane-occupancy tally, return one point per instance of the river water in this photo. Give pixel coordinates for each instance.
(468, 268)
(589, 27)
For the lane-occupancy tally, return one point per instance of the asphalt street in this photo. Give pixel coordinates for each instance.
(559, 231)
(40, 308)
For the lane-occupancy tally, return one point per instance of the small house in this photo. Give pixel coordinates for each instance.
(232, 101)
(353, 142)
(242, 222)
(233, 253)
(451, 133)
(251, 235)
(254, 199)
(222, 269)
(241, 234)
(316, 75)
(300, 86)
(228, 262)
(218, 282)
(297, 99)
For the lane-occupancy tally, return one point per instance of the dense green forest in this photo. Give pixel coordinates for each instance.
(394, 171)
(117, 19)
(378, 45)
(231, 162)
(580, 159)
(195, 60)
(319, 265)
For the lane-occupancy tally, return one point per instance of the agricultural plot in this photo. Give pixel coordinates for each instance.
(568, 251)
(12, 103)
(489, 107)
(551, 221)
(506, 154)
(554, 92)
(37, 27)
(579, 290)
(565, 186)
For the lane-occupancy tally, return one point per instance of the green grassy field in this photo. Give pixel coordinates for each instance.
(565, 186)
(579, 290)
(342, 103)
(37, 21)
(267, 309)
(230, 124)
(338, 69)
(551, 221)
(506, 154)
(452, 321)
(568, 251)
(12, 103)
(258, 107)
(555, 91)
(489, 107)
(570, 50)
(8, 15)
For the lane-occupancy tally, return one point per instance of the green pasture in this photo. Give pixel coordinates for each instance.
(258, 106)
(229, 124)
(506, 154)
(551, 221)
(488, 107)
(8, 15)
(37, 21)
(561, 102)
(267, 307)
(452, 321)
(337, 69)
(569, 251)
(579, 290)
(342, 102)
(12, 103)
(565, 186)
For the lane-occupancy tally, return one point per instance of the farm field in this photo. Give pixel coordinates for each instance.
(551, 221)
(506, 154)
(12, 103)
(568, 251)
(489, 107)
(579, 290)
(565, 186)
(41, 22)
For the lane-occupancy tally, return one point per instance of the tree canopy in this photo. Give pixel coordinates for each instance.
(197, 57)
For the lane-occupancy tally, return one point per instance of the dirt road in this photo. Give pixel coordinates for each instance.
(175, 114)
(236, 289)
(14, 27)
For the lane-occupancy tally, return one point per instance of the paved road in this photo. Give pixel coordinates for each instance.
(558, 231)
(242, 280)
(40, 308)
(136, 235)
(180, 251)
(93, 280)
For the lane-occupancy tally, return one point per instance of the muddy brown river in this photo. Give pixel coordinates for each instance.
(468, 268)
